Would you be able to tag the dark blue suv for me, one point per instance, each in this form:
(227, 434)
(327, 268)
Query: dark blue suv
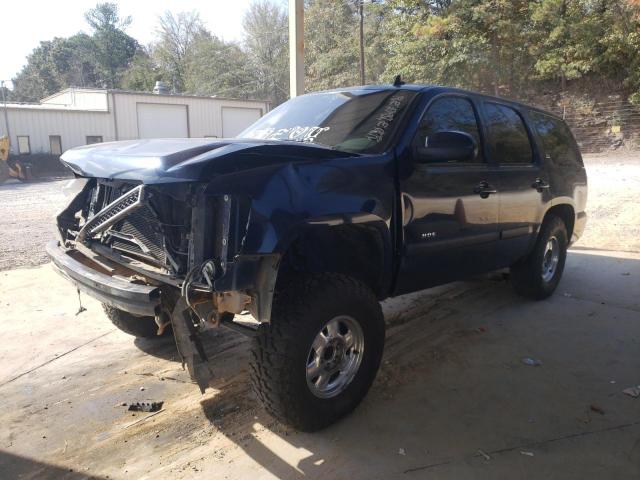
(294, 231)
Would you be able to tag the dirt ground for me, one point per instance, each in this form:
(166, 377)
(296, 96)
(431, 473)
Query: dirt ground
(27, 212)
(453, 398)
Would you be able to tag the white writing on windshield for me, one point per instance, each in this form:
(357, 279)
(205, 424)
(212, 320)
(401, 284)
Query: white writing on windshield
(295, 134)
(385, 118)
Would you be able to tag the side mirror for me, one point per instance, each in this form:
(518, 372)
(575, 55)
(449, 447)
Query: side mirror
(447, 146)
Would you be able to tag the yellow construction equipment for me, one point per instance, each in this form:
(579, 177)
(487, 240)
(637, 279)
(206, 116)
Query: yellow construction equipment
(4, 148)
(9, 168)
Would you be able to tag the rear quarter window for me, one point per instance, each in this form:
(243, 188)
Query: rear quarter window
(510, 142)
(557, 143)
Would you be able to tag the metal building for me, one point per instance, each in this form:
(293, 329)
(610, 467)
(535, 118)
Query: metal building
(79, 116)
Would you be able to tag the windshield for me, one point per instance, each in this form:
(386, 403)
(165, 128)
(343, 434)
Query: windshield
(361, 121)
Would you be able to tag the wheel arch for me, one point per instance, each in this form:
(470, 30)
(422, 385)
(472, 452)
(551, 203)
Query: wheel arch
(566, 212)
(358, 246)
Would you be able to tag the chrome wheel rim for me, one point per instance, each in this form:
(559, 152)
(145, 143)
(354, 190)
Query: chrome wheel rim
(335, 356)
(550, 259)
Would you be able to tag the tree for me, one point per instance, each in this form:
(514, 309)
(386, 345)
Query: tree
(142, 73)
(267, 44)
(177, 34)
(113, 48)
(54, 65)
(81, 60)
(562, 48)
(331, 44)
(214, 67)
(468, 43)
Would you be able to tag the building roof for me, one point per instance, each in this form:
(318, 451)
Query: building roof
(49, 106)
(134, 92)
(67, 99)
(187, 95)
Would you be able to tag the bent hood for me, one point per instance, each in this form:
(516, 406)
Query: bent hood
(165, 160)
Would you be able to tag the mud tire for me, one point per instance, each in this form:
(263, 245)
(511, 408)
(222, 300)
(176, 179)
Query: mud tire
(303, 304)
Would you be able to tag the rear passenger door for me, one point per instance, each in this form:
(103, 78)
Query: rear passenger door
(450, 207)
(522, 183)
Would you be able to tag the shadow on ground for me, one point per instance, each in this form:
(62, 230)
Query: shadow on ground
(17, 467)
(452, 385)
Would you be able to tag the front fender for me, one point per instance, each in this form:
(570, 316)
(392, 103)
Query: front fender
(288, 201)
(296, 196)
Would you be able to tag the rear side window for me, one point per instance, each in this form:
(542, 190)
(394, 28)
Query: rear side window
(557, 142)
(450, 113)
(509, 139)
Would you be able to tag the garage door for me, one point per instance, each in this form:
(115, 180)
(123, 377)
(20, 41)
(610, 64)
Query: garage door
(157, 120)
(236, 119)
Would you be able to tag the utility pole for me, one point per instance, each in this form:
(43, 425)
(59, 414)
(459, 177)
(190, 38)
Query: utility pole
(296, 47)
(6, 115)
(361, 13)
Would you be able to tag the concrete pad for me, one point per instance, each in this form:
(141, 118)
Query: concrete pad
(452, 390)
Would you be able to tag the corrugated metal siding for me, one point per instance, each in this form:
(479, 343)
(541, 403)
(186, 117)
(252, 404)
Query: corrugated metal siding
(236, 119)
(205, 114)
(72, 126)
(80, 98)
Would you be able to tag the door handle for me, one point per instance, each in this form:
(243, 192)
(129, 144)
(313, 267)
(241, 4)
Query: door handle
(540, 185)
(484, 189)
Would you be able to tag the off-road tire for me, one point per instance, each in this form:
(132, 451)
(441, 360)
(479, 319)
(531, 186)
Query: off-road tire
(303, 303)
(143, 327)
(526, 275)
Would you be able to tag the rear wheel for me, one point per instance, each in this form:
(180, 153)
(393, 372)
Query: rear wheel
(538, 275)
(143, 327)
(317, 359)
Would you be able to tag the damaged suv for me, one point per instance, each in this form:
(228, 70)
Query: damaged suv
(293, 232)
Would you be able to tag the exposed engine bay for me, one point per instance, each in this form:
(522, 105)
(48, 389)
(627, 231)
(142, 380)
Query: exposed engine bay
(183, 244)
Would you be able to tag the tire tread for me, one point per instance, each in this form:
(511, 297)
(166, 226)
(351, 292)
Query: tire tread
(270, 360)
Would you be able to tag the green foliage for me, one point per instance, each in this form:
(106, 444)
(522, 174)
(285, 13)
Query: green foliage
(113, 49)
(513, 47)
(331, 48)
(54, 65)
(97, 60)
(142, 73)
(216, 67)
(509, 47)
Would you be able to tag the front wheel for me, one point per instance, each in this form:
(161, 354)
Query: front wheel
(538, 275)
(141, 327)
(318, 357)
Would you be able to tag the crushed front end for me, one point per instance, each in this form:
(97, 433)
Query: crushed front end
(170, 251)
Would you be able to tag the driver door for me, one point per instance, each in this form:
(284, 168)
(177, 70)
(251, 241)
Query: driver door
(450, 207)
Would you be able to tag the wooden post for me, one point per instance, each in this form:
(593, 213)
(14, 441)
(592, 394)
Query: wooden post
(361, 36)
(296, 47)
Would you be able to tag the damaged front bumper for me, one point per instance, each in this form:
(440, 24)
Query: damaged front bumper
(111, 290)
(170, 252)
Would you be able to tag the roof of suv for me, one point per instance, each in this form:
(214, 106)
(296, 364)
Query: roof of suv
(413, 87)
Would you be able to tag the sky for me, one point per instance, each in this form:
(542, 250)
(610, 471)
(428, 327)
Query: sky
(25, 23)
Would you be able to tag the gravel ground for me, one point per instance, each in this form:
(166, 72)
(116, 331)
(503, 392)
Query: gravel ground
(613, 221)
(27, 211)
